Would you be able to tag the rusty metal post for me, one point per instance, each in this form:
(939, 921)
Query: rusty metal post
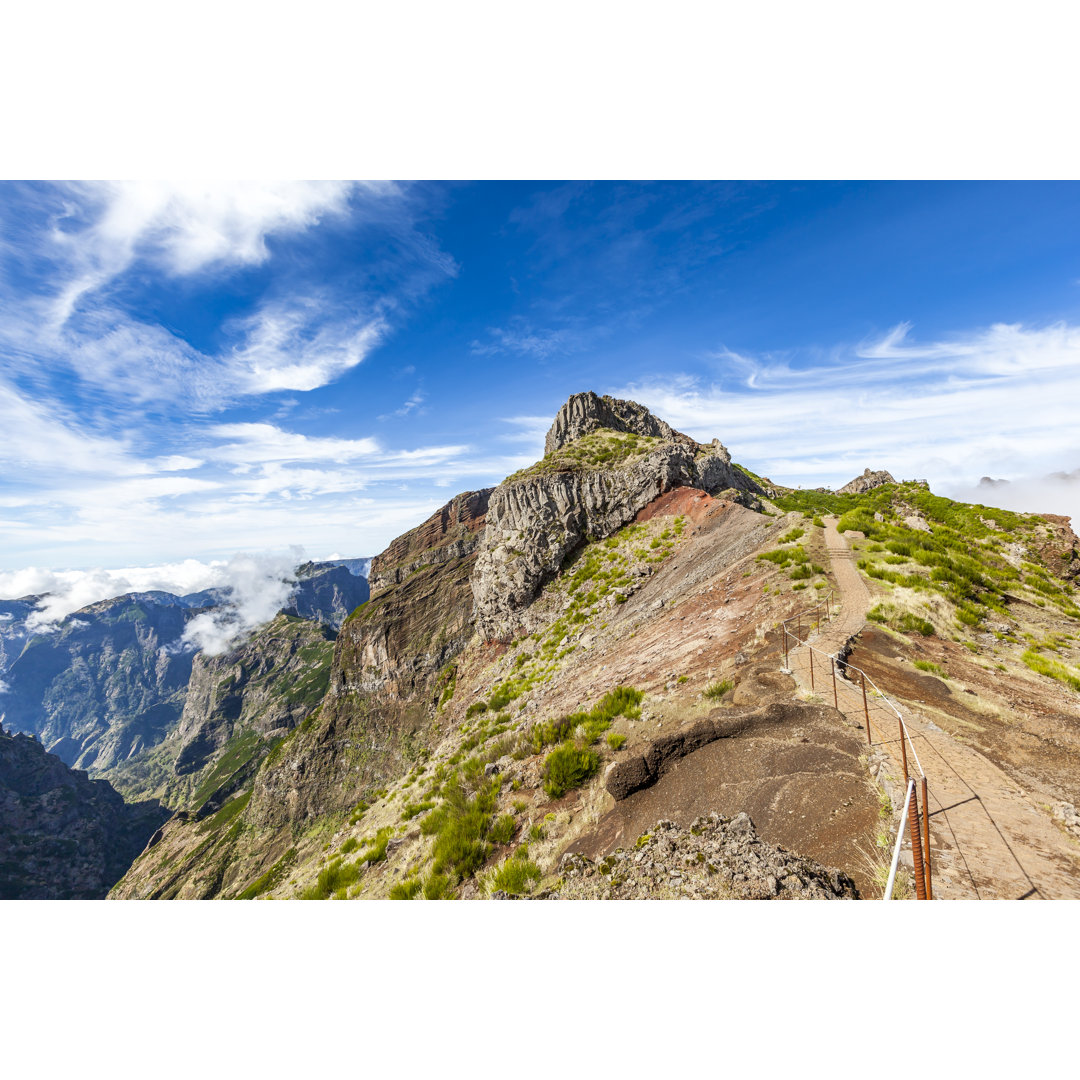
(903, 747)
(916, 846)
(926, 829)
(866, 709)
(832, 664)
(811, 652)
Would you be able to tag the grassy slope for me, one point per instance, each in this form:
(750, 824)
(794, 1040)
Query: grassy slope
(980, 576)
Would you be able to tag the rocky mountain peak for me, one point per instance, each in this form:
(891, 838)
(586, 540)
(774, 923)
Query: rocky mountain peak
(587, 412)
(869, 480)
(538, 516)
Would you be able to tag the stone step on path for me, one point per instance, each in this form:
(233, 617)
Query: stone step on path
(987, 839)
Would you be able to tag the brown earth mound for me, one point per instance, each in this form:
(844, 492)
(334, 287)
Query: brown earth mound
(794, 768)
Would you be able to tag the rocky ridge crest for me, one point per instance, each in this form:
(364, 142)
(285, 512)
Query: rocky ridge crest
(534, 521)
(866, 482)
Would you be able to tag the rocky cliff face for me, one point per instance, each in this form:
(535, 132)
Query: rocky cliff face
(62, 835)
(385, 670)
(373, 722)
(867, 482)
(13, 632)
(452, 532)
(538, 517)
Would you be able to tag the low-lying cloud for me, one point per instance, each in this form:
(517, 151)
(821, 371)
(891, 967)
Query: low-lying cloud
(259, 587)
(256, 587)
(1056, 493)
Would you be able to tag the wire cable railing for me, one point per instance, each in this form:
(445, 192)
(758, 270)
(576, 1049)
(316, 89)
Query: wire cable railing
(841, 672)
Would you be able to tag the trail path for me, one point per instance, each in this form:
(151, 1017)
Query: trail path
(987, 839)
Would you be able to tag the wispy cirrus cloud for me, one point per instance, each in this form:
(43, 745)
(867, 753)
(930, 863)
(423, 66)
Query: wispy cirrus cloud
(997, 400)
(520, 337)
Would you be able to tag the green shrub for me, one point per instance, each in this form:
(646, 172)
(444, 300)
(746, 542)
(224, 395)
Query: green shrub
(460, 826)
(616, 741)
(1044, 665)
(715, 691)
(407, 889)
(475, 708)
(436, 887)
(792, 536)
(376, 851)
(349, 846)
(568, 767)
(537, 832)
(411, 810)
(332, 880)
(517, 876)
(819, 523)
(503, 829)
(929, 665)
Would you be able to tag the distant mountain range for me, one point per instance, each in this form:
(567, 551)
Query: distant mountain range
(111, 679)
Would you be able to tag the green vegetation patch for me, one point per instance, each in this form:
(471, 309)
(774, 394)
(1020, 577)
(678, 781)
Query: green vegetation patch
(461, 826)
(1045, 665)
(518, 875)
(333, 880)
(715, 691)
(622, 701)
(905, 621)
(271, 879)
(568, 767)
(601, 449)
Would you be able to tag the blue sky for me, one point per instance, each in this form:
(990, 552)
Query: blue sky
(189, 371)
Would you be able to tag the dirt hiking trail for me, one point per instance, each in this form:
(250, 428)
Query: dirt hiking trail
(988, 840)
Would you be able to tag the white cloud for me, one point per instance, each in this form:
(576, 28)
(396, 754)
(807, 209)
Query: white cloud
(415, 401)
(293, 347)
(521, 338)
(260, 585)
(38, 436)
(1000, 400)
(252, 443)
(66, 591)
(184, 226)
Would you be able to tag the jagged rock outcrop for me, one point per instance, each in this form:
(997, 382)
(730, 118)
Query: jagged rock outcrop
(536, 519)
(867, 482)
(1058, 546)
(62, 835)
(717, 858)
(584, 413)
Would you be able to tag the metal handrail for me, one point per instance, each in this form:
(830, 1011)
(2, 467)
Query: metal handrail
(922, 856)
(899, 842)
